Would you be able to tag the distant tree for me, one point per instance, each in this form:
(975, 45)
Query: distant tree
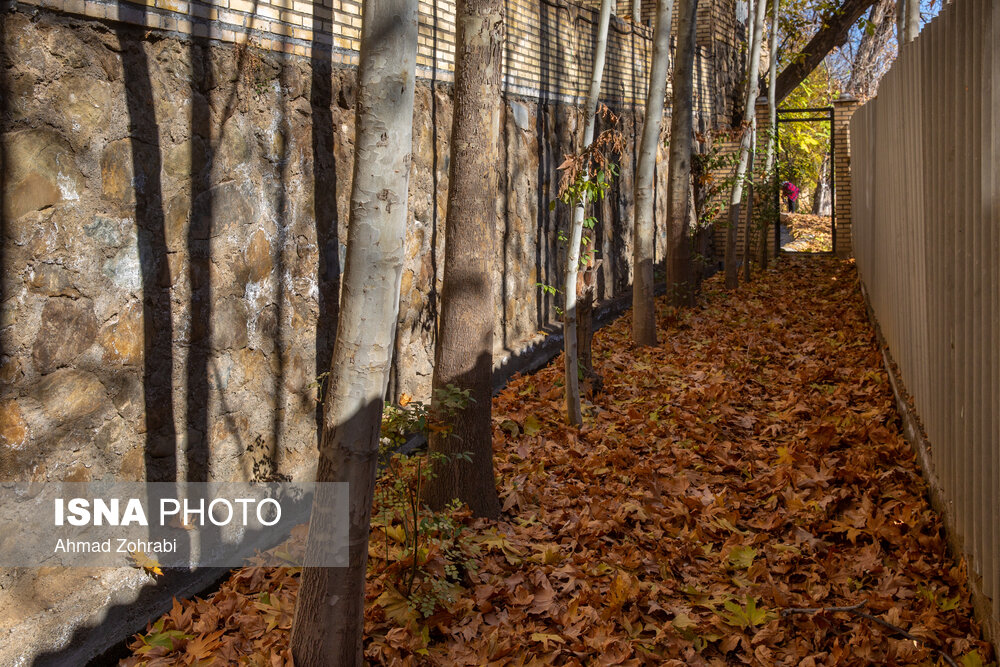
(749, 116)
(806, 146)
(900, 21)
(329, 612)
(874, 53)
(679, 276)
(911, 25)
(643, 307)
(463, 357)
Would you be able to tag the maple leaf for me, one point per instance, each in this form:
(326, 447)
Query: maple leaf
(972, 659)
(742, 557)
(397, 607)
(532, 425)
(747, 615)
(156, 637)
(683, 621)
(202, 648)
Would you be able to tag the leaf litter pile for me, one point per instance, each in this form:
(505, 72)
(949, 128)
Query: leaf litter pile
(810, 233)
(740, 494)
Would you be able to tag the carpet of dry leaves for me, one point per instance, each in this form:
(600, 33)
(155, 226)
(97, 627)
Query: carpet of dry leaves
(749, 464)
(811, 233)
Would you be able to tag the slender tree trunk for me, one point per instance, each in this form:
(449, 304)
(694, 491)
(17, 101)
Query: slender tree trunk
(643, 306)
(464, 353)
(680, 281)
(912, 26)
(749, 113)
(329, 613)
(572, 368)
(900, 23)
(637, 11)
(772, 135)
(821, 196)
(748, 226)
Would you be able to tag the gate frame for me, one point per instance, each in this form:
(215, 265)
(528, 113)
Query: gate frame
(827, 116)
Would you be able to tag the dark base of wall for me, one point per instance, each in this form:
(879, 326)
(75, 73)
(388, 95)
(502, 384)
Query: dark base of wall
(99, 645)
(913, 431)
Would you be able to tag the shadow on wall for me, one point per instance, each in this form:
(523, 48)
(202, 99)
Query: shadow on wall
(176, 265)
(324, 203)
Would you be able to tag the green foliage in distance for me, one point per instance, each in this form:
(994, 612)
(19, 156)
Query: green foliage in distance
(804, 146)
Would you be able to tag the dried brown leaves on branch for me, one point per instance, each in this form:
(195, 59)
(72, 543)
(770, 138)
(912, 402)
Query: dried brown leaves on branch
(598, 155)
(752, 463)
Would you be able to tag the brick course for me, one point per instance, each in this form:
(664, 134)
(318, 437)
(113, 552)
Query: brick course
(549, 42)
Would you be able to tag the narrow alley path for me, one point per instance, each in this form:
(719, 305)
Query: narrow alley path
(750, 464)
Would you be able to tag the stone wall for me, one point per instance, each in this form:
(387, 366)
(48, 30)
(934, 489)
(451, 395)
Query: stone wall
(174, 216)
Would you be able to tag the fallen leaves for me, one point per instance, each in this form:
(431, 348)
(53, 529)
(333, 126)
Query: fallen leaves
(752, 462)
(810, 233)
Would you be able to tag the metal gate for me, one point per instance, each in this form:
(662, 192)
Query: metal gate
(805, 115)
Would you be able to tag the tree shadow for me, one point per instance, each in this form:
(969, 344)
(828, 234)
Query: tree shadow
(324, 204)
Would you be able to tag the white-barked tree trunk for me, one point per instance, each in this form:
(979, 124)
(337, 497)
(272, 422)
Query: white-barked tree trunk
(329, 613)
(644, 232)
(572, 355)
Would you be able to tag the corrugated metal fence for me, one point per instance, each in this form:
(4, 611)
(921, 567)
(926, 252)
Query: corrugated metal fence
(925, 161)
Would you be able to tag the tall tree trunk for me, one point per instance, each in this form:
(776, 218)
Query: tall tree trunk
(772, 134)
(464, 353)
(749, 113)
(680, 281)
(643, 306)
(637, 11)
(572, 368)
(748, 226)
(912, 26)
(821, 196)
(329, 613)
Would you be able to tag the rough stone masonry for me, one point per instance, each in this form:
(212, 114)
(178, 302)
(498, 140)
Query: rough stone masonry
(174, 220)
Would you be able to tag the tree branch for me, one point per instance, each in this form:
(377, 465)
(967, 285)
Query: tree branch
(821, 610)
(834, 32)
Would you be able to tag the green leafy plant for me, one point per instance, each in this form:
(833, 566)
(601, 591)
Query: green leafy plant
(426, 553)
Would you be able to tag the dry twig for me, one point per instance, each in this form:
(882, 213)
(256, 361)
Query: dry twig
(856, 611)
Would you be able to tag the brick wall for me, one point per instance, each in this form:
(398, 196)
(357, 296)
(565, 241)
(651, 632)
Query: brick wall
(843, 110)
(549, 47)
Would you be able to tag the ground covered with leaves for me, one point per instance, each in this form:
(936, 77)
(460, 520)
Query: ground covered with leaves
(810, 233)
(750, 465)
